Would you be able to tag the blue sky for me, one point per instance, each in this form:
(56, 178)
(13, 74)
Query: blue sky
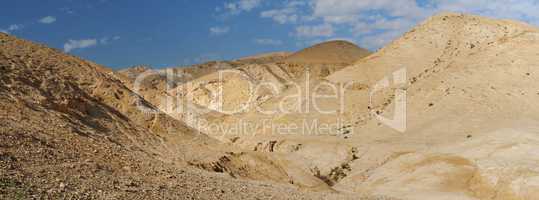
(122, 33)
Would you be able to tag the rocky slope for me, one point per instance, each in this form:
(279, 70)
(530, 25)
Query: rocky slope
(272, 57)
(236, 86)
(471, 89)
(71, 129)
(243, 87)
(471, 121)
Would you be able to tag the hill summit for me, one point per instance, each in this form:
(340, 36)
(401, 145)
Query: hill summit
(331, 52)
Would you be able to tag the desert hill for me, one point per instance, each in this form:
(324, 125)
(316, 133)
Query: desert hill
(272, 57)
(71, 129)
(471, 84)
(331, 52)
(471, 114)
(157, 79)
(471, 88)
(237, 80)
(66, 116)
(195, 103)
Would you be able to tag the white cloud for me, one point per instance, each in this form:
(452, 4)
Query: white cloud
(11, 28)
(266, 41)
(79, 44)
(47, 20)
(282, 16)
(107, 40)
(323, 30)
(241, 6)
(104, 40)
(15, 27)
(375, 23)
(67, 10)
(349, 9)
(291, 13)
(219, 30)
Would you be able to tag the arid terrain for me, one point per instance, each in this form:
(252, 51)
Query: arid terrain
(284, 125)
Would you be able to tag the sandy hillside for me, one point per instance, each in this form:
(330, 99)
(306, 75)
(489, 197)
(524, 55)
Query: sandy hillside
(331, 52)
(471, 88)
(70, 129)
(271, 57)
(471, 118)
(471, 93)
(154, 83)
(243, 83)
(243, 87)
